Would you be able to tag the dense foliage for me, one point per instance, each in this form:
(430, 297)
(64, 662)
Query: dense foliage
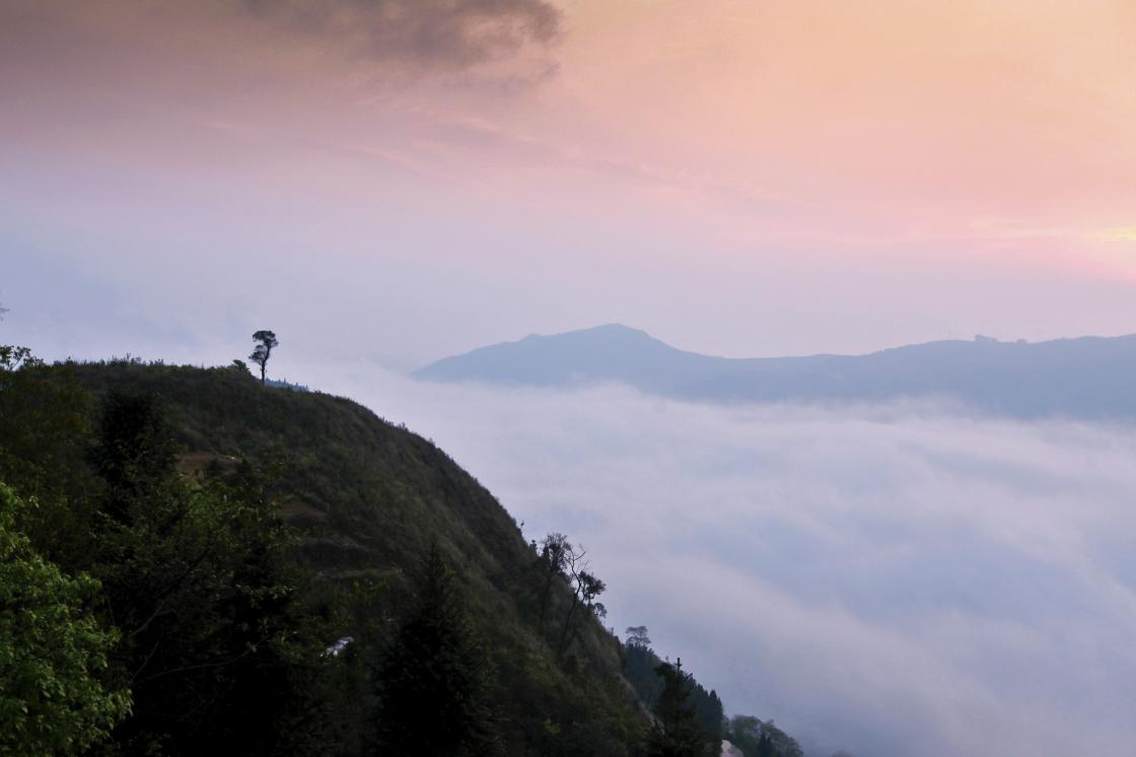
(52, 652)
(239, 531)
(761, 739)
(434, 683)
(688, 717)
(678, 731)
(196, 575)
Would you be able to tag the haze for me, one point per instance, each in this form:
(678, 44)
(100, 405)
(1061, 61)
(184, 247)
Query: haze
(736, 178)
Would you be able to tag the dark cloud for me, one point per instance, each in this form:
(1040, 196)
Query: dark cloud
(433, 33)
(507, 38)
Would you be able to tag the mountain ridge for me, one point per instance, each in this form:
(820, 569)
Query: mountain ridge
(1079, 377)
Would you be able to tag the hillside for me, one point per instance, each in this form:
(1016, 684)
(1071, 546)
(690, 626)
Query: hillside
(1088, 377)
(369, 495)
(370, 500)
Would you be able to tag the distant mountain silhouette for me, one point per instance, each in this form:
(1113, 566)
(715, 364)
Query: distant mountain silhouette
(1087, 377)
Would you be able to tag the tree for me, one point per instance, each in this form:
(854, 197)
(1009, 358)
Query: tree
(434, 685)
(760, 739)
(266, 340)
(676, 732)
(52, 652)
(555, 550)
(135, 454)
(639, 664)
(201, 579)
(585, 588)
(590, 588)
(708, 711)
(44, 441)
(637, 636)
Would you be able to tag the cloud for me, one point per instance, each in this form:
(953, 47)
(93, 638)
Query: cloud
(890, 580)
(432, 33)
(373, 38)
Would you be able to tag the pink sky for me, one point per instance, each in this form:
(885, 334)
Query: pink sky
(736, 177)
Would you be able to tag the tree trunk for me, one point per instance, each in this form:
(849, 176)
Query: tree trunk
(560, 647)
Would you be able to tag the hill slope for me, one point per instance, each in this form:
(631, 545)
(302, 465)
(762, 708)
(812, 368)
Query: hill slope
(1089, 377)
(369, 499)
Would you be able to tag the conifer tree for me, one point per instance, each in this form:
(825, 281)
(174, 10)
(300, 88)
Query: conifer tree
(677, 732)
(434, 685)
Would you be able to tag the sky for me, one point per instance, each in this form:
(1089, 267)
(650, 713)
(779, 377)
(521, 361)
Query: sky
(408, 179)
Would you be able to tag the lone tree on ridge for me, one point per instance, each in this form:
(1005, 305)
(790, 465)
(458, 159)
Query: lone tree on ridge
(266, 340)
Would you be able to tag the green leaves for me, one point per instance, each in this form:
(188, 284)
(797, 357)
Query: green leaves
(52, 652)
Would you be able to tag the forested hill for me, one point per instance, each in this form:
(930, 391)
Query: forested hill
(369, 495)
(409, 625)
(1085, 377)
(274, 571)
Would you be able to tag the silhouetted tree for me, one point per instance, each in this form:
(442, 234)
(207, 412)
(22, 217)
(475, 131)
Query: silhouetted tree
(434, 685)
(554, 552)
(639, 664)
(585, 588)
(761, 739)
(708, 710)
(637, 636)
(676, 732)
(590, 588)
(266, 340)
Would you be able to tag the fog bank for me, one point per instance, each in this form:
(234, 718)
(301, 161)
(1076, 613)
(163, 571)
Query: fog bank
(892, 580)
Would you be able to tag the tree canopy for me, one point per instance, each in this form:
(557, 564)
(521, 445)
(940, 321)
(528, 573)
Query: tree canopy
(265, 342)
(677, 731)
(756, 738)
(53, 651)
(435, 685)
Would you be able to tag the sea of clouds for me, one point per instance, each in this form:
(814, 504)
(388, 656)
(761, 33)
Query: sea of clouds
(900, 580)
(906, 580)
